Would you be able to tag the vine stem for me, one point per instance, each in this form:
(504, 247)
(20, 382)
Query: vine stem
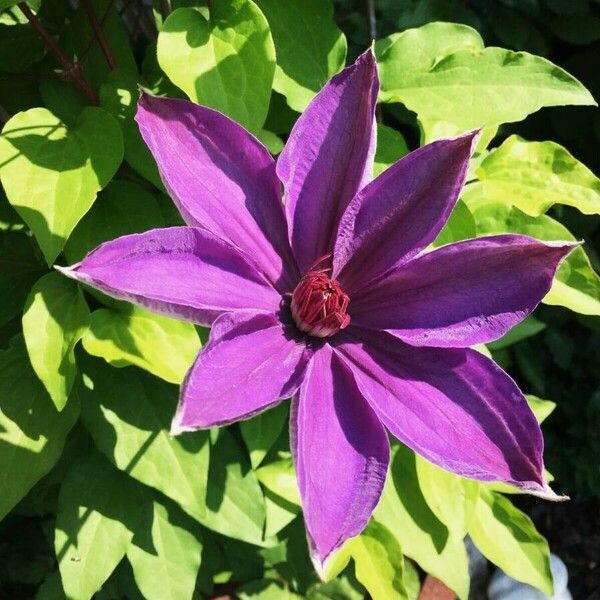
(371, 19)
(70, 69)
(99, 33)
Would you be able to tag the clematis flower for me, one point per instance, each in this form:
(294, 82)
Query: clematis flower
(318, 284)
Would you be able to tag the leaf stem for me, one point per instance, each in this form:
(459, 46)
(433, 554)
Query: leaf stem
(99, 33)
(71, 70)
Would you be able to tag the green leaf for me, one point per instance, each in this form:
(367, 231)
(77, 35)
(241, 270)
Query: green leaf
(424, 538)
(227, 62)
(20, 45)
(460, 226)
(576, 285)
(278, 513)
(234, 500)
(391, 147)
(309, 46)
(79, 32)
(265, 589)
(128, 414)
(533, 176)
(525, 329)
(98, 511)
(379, 562)
(450, 497)
(32, 431)
(280, 478)
(122, 208)
(542, 409)
(55, 318)
(508, 538)
(118, 95)
(166, 559)
(52, 173)
(260, 432)
(442, 72)
(20, 268)
(133, 336)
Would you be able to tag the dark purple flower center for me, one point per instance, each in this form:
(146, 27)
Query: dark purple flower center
(319, 303)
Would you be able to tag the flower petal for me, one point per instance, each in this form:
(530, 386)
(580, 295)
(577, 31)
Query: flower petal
(463, 294)
(221, 178)
(329, 157)
(453, 406)
(251, 362)
(341, 453)
(401, 212)
(181, 272)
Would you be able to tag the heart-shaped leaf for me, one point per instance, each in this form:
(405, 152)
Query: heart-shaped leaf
(52, 173)
(226, 62)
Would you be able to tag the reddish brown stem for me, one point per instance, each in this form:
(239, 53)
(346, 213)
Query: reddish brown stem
(99, 33)
(72, 71)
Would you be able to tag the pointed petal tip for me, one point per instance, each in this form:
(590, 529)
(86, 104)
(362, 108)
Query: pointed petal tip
(545, 492)
(69, 271)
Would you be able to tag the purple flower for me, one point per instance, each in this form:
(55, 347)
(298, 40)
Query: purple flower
(325, 292)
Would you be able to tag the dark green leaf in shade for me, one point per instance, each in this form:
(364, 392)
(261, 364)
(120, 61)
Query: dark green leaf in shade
(128, 414)
(20, 268)
(391, 147)
(123, 207)
(32, 431)
(309, 46)
(99, 509)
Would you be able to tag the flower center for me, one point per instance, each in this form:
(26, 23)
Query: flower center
(319, 303)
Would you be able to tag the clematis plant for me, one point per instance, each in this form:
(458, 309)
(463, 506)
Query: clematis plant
(319, 285)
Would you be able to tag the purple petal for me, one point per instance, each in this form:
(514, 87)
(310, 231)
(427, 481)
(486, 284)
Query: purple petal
(341, 452)
(401, 212)
(467, 293)
(328, 158)
(250, 363)
(181, 272)
(221, 178)
(453, 406)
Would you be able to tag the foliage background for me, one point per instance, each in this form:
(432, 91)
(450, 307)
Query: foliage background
(174, 518)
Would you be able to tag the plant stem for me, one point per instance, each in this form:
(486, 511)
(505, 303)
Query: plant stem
(99, 33)
(70, 69)
(371, 19)
(165, 8)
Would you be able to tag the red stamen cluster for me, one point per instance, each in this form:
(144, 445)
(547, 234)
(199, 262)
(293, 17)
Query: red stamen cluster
(319, 304)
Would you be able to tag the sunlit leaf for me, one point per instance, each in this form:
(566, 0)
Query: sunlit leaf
(576, 285)
(535, 175)
(52, 173)
(442, 72)
(55, 318)
(424, 538)
(391, 147)
(508, 538)
(166, 558)
(227, 62)
(129, 335)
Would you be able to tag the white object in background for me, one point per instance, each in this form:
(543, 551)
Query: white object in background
(503, 587)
